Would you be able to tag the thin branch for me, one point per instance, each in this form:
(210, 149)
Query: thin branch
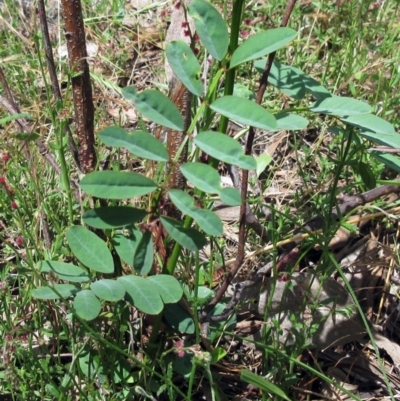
(245, 176)
(53, 74)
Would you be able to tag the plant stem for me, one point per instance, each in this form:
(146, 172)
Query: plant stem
(237, 15)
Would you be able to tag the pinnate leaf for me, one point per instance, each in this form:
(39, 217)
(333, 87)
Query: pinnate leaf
(340, 106)
(116, 184)
(90, 249)
(189, 238)
(207, 179)
(144, 254)
(109, 290)
(140, 293)
(231, 196)
(167, 286)
(208, 221)
(291, 121)
(179, 318)
(155, 106)
(51, 292)
(244, 111)
(390, 160)
(262, 162)
(385, 140)
(139, 143)
(64, 271)
(126, 245)
(185, 65)
(373, 124)
(286, 78)
(203, 176)
(211, 28)
(113, 217)
(87, 305)
(261, 44)
(224, 148)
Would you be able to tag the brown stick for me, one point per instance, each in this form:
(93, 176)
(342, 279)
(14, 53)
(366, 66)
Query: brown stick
(81, 85)
(182, 99)
(53, 75)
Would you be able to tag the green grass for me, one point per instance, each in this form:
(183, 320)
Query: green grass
(47, 352)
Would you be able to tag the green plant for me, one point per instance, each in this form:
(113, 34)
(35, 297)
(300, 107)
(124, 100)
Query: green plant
(146, 238)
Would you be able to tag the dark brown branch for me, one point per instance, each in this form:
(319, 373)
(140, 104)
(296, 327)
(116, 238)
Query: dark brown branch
(53, 74)
(81, 85)
(271, 57)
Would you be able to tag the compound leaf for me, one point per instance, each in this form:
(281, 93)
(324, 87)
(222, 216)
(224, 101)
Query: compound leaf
(113, 217)
(261, 44)
(187, 237)
(109, 290)
(211, 28)
(90, 249)
(244, 111)
(87, 305)
(140, 293)
(185, 65)
(116, 184)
